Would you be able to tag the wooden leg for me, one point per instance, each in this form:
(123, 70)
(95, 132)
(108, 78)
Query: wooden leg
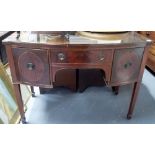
(133, 99)
(19, 102)
(32, 91)
(115, 89)
(137, 85)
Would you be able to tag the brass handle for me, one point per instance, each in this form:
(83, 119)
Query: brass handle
(30, 66)
(102, 58)
(61, 56)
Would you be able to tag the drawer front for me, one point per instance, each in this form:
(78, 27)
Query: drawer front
(126, 65)
(31, 65)
(96, 56)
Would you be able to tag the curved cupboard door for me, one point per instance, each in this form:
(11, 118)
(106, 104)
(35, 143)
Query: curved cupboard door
(126, 65)
(32, 65)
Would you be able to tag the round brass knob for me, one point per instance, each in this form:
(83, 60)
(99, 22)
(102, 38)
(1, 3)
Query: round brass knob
(102, 58)
(61, 56)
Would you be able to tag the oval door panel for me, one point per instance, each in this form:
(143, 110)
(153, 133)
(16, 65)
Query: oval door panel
(31, 66)
(126, 64)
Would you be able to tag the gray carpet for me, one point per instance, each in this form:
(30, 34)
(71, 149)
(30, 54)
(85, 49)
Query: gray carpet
(96, 105)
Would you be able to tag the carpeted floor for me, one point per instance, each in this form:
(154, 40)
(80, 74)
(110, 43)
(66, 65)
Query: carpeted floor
(96, 105)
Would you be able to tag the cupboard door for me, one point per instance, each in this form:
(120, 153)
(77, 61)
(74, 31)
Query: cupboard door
(126, 65)
(32, 65)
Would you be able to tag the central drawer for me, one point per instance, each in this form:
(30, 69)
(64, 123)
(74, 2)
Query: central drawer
(94, 56)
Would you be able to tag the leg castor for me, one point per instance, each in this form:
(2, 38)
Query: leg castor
(32, 91)
(116, 93)
(33, 95)
(23, 120)
(115, 90)
(129, 116)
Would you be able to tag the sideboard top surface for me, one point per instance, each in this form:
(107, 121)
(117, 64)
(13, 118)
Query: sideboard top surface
(45, 39)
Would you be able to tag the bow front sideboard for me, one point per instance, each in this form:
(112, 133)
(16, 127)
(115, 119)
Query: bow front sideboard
(35, 59)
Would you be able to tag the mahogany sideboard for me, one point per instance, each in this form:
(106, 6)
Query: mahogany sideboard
(36, 59)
